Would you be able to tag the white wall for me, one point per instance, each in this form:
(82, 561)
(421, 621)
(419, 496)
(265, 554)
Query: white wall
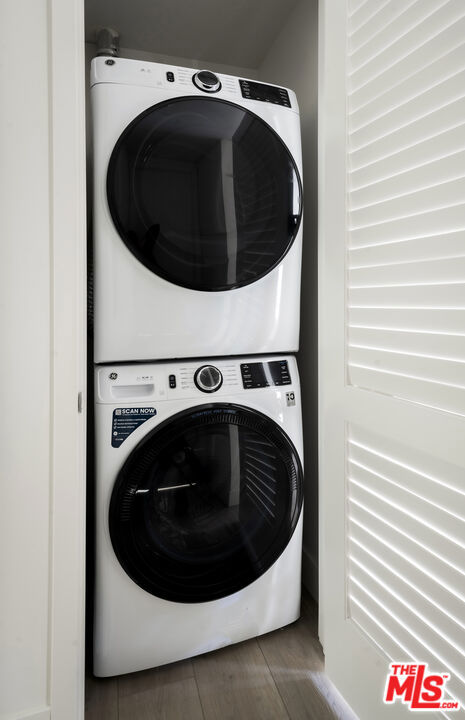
(25, 359)
(293, 61)
(41, 301)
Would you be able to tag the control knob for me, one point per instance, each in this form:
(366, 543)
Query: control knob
(206, 81)
(208, 378)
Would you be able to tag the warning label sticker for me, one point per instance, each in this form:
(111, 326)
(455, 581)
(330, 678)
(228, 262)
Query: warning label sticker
(126, 420)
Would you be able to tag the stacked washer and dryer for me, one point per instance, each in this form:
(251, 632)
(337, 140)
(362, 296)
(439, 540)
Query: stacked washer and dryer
(197, 260)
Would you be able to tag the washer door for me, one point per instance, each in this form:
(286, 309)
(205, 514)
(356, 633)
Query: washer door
(204, 193)
(206, 503)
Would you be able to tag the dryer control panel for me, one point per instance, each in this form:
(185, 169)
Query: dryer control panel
(180, 81)
(265, 93)
(265, 374)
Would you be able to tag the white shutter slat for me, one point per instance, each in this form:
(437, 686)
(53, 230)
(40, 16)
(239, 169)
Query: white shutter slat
(400, 499)
(433, 369)
(416, 343)
(413, 387)
(419, 24)
(362, 12)
(423, 620)
(406, 550)
(411, 525)
(376, 23)
(429, 175)
(425, 80)
(397, 563)
(418, 647)
(392, 645)
(451, 269)
(451, 295)
(424, 320)
(411, 145)
(442, 522)
(401, 455)
(410, 556)
(426, 55)
(354, 6)
(436, 247)
(449, 373)
(436, 98)
(435, 490)
(423, 224)
(410, 203)
(406, 623)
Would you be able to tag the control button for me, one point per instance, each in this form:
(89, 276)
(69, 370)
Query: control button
(172, 381)
(208, 378)
(170, 76)
(207, 81)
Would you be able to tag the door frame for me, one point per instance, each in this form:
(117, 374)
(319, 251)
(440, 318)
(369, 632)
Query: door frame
(68, 357)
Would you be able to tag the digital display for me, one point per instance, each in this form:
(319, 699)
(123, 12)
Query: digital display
(258, 375)
(264, 93)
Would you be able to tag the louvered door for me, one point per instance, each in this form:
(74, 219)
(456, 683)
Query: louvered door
(392, 343)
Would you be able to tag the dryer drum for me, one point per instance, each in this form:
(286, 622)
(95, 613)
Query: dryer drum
(206, 503)
(204, 193)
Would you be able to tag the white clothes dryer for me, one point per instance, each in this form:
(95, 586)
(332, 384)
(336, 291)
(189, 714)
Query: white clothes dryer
(198, 507)
(197, 213)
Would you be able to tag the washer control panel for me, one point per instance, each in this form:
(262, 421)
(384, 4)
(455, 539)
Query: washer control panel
(265, 93)
(265, 374)
(208, 378)
(142, 385)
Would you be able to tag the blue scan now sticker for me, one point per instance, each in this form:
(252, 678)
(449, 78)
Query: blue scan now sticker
(126, 420)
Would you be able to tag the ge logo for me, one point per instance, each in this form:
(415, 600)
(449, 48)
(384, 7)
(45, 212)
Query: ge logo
(113, 376)
(290, 399)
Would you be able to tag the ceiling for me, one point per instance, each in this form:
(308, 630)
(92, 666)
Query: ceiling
(232, 32)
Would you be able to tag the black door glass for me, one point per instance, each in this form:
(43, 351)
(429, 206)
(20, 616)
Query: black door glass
(204, 193)
(206, 503)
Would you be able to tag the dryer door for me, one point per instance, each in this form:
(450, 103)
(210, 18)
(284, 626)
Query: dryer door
(206, 503)
(204, 193)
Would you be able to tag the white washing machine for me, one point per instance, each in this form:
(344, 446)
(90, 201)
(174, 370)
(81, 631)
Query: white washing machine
(198, 507)
(197, 213)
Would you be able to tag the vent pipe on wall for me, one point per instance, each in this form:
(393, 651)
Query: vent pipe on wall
(107, 42)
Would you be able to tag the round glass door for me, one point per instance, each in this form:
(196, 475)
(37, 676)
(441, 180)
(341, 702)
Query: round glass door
(206, 503)
(204, 193)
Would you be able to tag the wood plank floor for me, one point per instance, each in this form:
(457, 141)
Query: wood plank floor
(279, 676)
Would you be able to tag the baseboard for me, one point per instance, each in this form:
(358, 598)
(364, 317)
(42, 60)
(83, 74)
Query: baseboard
(310, 573)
